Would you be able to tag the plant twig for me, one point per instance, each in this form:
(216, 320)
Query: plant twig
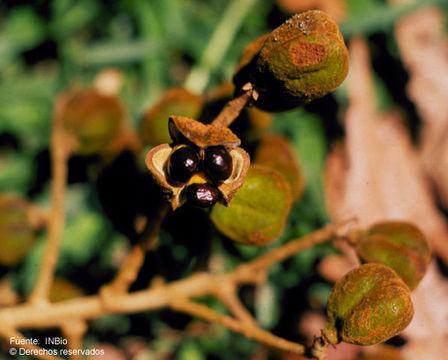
(74, 332)
(18, 341)
(228, 295)
(165, 295)
(247, 271)
(220, 41)
(129, 270)
(248, 330)
(233, 108)
(60, 151)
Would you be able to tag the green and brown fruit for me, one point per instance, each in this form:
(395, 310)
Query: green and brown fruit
(176, 101)
(368, 306)
(399, 245)
(303, 59)
(257, 215)
(276, 152)
(16, 233)
(92, 118)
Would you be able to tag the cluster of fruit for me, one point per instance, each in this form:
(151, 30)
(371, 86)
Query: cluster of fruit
(372, 303)
(202, 170)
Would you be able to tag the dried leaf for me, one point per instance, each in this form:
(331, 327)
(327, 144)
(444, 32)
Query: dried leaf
(334, 267)
(427, 335)
(375, 175)
(381, 352)
(423, 45)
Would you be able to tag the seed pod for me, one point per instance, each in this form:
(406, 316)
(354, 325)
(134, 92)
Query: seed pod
(276, 152)
(16, 233)
(94, 119)
(398, 245)
(202, 195)
(184, 131)
(176, 101)
(303, 59)
(218, 163)
(257, 215)
(367, 306)
(183, 163)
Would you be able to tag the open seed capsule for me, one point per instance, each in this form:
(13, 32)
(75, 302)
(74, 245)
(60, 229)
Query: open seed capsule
(183, 164)
(202, 195)
(217, 163)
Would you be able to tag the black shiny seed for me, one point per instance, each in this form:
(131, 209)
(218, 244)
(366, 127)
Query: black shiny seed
(183, 164)
(202, 195)
(218, 163)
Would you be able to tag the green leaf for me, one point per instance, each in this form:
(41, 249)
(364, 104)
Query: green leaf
(191, 351)
(22, 31)
(16, 172)
(257, 215)
(369, 16)
(83, 237)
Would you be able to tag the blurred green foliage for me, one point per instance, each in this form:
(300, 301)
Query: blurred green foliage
(49, 46)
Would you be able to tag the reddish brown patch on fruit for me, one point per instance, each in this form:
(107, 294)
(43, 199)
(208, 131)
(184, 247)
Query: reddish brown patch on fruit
(306, 54)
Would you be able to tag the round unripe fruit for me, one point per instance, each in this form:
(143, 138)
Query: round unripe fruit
(16, 233)
(399, 245)
(93, 118)
(202, 195)
(368, 306)
(183, 163)
(218, 163)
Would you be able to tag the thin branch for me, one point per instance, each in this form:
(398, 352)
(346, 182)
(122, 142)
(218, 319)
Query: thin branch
(18, 341)
(219, 42)
(228, 295)
(199, 284)
(233, 108)
(247, 271)
(60, 151)
(248, 330)
(148, 239)
(74, 332)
